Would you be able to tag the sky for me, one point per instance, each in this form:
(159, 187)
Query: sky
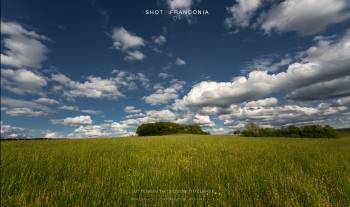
(100, 68)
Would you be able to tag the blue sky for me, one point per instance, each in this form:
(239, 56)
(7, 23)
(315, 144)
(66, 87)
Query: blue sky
(100, 68)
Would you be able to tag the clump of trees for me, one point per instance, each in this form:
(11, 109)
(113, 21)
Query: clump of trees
(164, 128)
(310, 131)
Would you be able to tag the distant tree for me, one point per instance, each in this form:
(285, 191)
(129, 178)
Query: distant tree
(236, 132)
(164, 128)
(251, 130)
(330, 131)
(194, 129)
(293, 131)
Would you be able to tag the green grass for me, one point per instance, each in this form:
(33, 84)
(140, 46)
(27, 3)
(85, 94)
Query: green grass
(344, 133)
(181, 170)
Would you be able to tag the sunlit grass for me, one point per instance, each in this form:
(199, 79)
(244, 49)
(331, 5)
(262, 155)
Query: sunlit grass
(182, 170)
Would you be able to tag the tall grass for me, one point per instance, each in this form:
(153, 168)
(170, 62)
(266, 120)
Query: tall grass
(182, 170)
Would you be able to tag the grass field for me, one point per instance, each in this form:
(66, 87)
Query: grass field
(181, 170)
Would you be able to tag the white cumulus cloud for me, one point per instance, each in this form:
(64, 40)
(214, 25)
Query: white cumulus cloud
(128, 43)
(305, 17)
(326, 61)
(134, 55)
(131, 109)
(8, 131)
(22, 48)
(24, 108)
(163, 95)
(23, 81)
(73, 121)
(98, 88)
(48, 101)
(180, 4)
(241, 13)
(180, 61)
(126, 40)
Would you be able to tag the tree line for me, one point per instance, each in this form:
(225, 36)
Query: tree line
(310, 131)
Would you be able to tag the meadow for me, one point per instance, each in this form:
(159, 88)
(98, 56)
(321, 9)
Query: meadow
(177, 170)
